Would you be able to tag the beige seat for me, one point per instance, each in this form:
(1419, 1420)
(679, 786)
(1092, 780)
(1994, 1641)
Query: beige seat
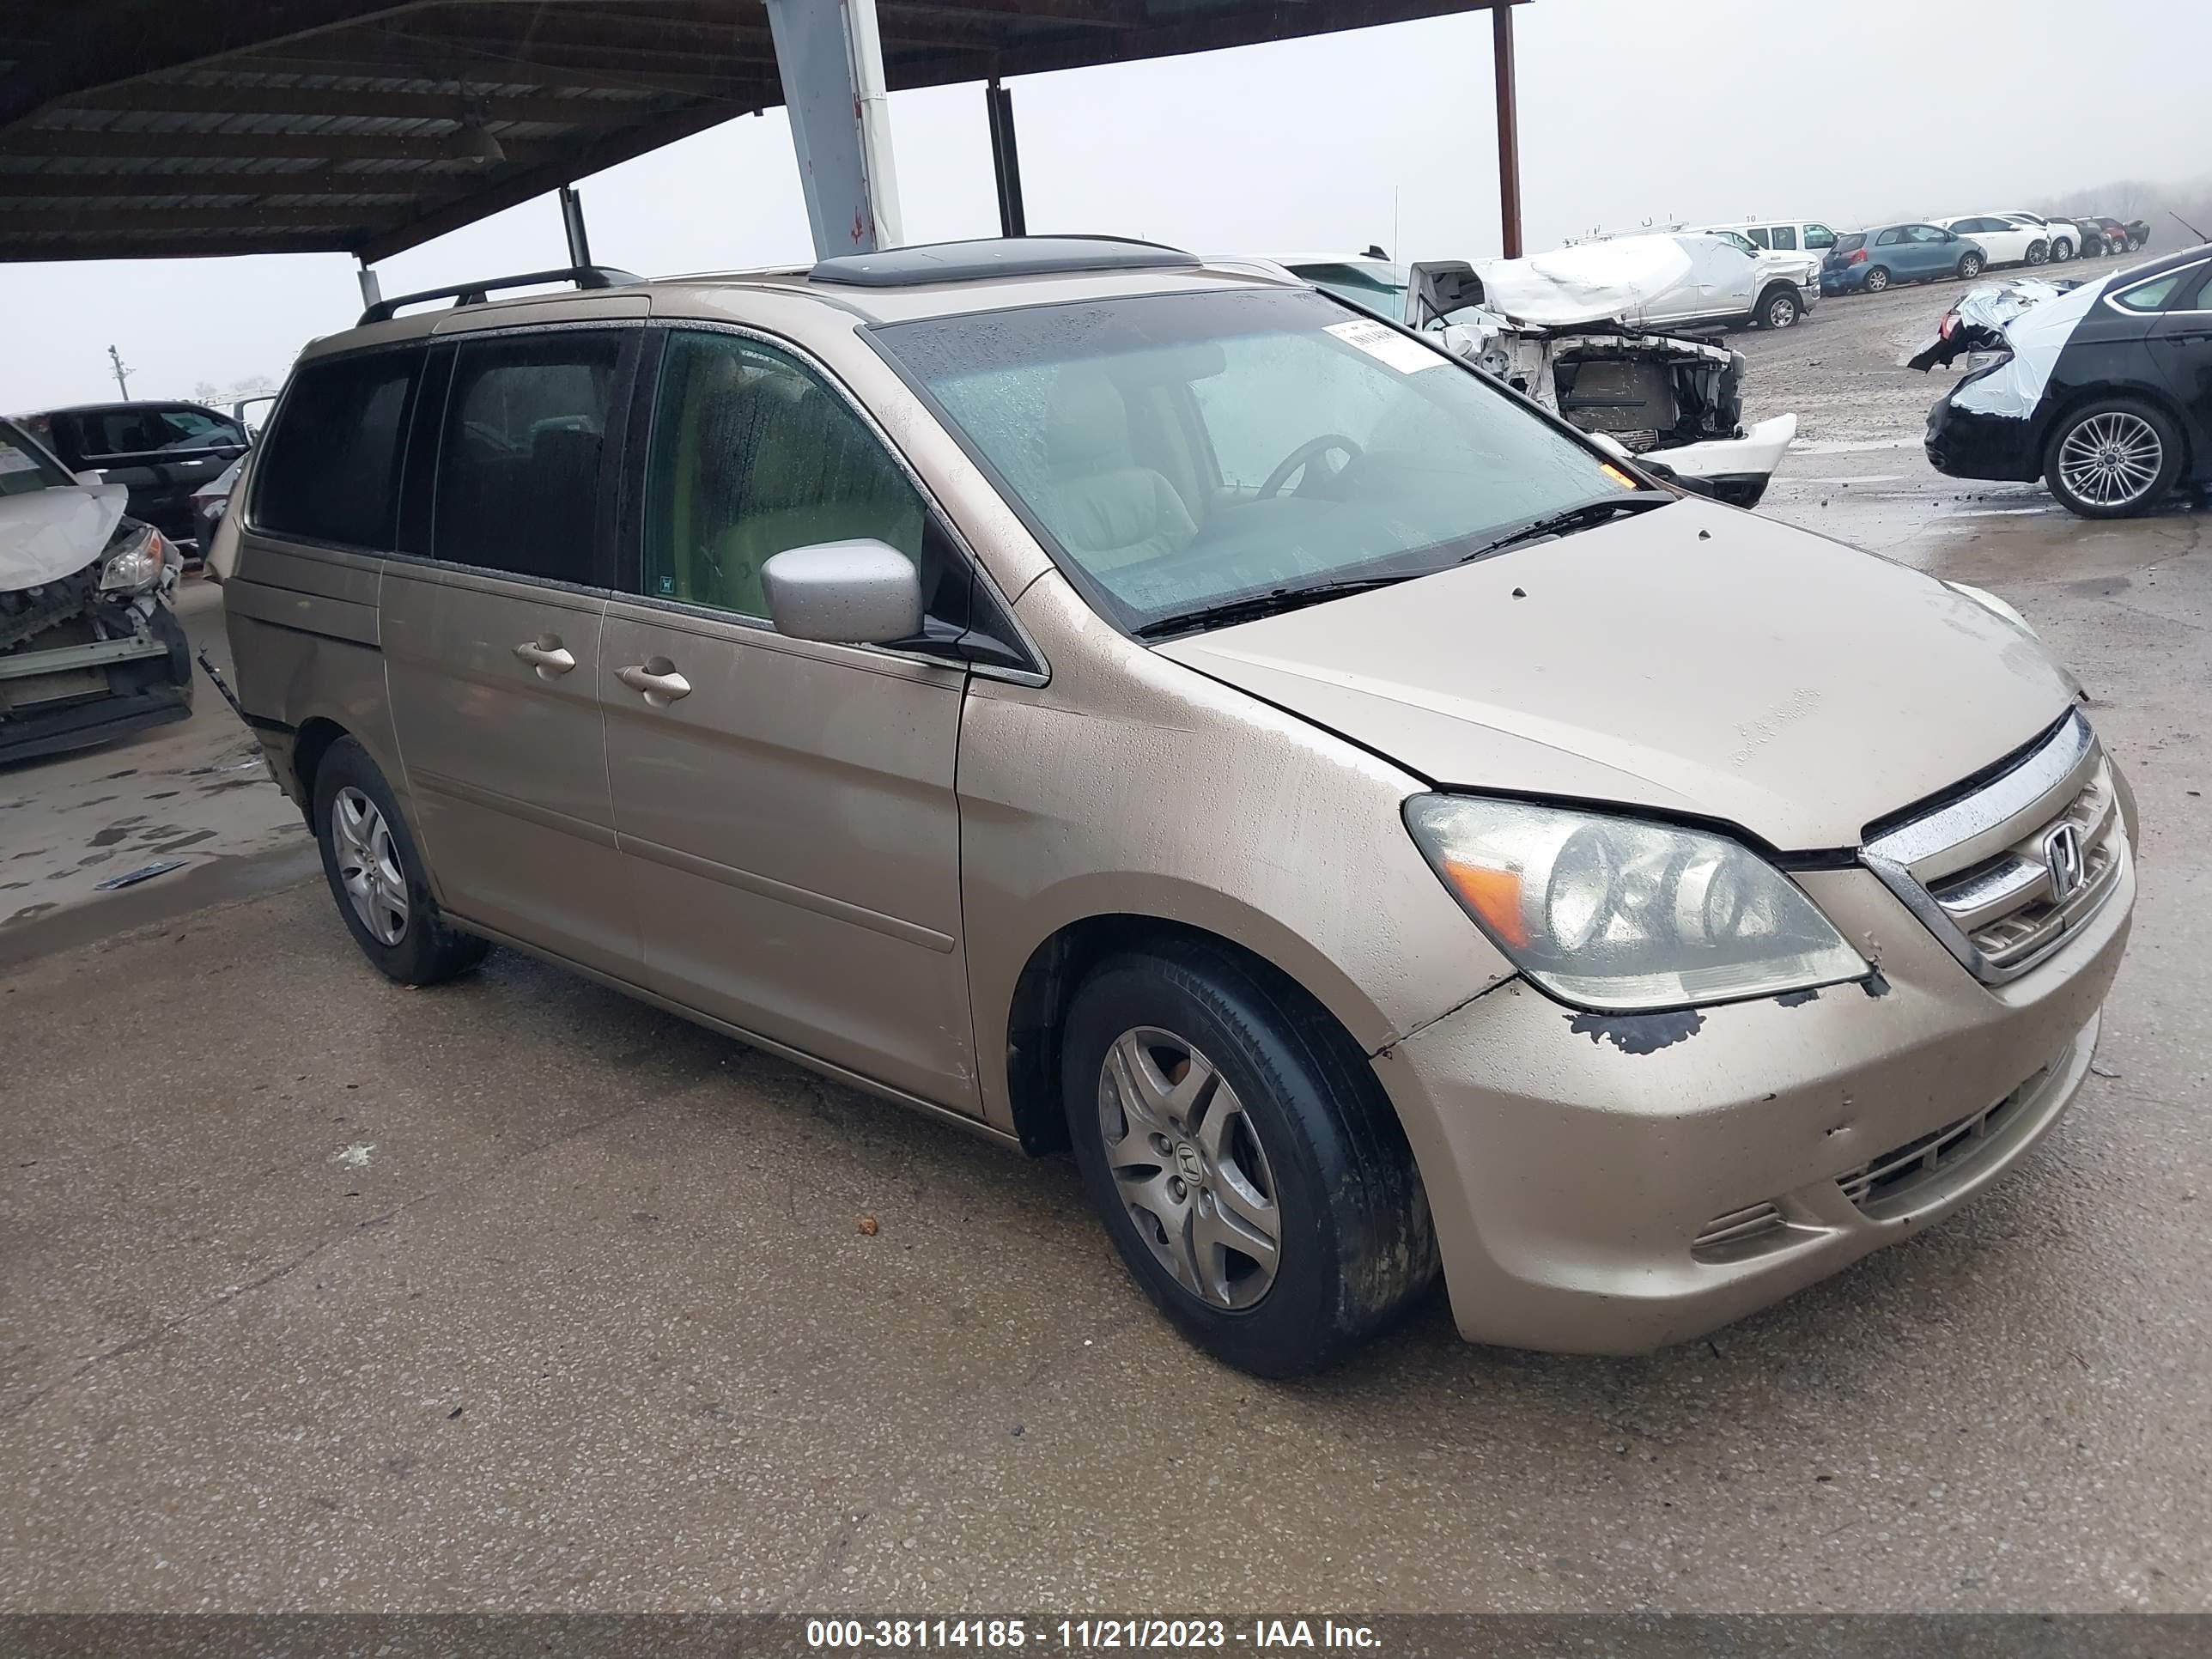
(1099, 502)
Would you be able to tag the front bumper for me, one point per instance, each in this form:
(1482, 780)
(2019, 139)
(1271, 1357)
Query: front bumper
(1572, 1163)
(147, 682)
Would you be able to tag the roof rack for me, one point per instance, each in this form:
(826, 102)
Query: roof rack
(997, 256)
(475, 294)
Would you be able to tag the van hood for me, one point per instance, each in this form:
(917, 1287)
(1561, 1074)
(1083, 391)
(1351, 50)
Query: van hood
(1693, 659)
(47, 534)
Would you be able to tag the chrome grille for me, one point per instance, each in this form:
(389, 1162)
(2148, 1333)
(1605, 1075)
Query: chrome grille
(1903, 1168)
(2004, 873)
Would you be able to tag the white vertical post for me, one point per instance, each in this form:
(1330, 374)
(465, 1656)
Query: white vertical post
(831, 60)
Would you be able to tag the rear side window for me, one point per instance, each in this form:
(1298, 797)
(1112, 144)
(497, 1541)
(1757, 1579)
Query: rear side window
(519, 461)
(2154, 295)
(1785, 239)
(1758, 235)
(330, 470)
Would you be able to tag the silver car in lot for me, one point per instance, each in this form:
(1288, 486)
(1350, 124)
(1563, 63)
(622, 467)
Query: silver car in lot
(1111, 701)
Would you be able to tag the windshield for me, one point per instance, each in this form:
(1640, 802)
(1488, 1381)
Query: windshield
(1178, 451)
(25, 467)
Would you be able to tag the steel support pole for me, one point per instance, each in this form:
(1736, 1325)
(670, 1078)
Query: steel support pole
(372, 291)
(572, 224)
(1006, 160)
(1508, 129)
(831, 61)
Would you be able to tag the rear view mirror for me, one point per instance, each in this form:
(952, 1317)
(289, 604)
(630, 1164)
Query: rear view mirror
(856, 592)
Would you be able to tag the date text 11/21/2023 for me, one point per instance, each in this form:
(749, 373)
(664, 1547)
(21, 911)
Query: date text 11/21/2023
(1258, 1637)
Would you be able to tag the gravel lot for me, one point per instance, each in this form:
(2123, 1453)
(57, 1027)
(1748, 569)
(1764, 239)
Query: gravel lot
(321, 1293)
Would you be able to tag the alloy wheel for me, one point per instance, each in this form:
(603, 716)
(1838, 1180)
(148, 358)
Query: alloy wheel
(1876, 281)
(2112, 459)
(368, 866)
(1780, 311)
(1189, 1165)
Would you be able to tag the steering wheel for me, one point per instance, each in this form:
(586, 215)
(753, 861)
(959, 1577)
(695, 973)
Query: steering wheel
(1311, 449)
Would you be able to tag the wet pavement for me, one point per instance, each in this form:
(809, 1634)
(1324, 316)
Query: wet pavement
(323, 1293)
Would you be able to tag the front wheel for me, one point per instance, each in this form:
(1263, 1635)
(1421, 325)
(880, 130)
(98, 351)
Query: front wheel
(1250, 1170)
(1969, 266)
(376, 874)
(1876, 280)
(1779, 309)
(2112, 459)
(2038, 253)
(2061, 251)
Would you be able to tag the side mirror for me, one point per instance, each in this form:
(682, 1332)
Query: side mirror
(856, 592)
(92, 478)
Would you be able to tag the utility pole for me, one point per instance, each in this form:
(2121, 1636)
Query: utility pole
(122, 373)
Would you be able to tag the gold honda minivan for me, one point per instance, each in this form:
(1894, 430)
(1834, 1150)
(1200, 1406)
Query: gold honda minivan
(1153, 709)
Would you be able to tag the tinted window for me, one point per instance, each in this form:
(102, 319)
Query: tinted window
(1889, 239)
(518, 460)
(331, 472)
(146, 430)
(1758, 236)
(753, 455)
(1785, 239)
(1819, 236)
(1926, 234)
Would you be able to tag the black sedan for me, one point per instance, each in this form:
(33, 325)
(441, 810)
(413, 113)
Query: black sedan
(2104, 391)
(160, 452)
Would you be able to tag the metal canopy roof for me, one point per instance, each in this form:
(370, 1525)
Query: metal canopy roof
(149, 129)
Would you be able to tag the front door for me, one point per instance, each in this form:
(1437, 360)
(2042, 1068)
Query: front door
(492, 647)
(2181, 345)
(785, 810)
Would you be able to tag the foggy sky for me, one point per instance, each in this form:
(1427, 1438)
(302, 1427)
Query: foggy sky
(1631, 109)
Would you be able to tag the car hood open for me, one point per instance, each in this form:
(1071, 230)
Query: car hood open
(47, 534)
(1692, 659)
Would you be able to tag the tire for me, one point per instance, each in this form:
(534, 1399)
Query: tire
(2061, 251)
(1779, 308)
(2038, 253)
(360, 830)
(2134, 243)
(1969, 266)
(2144, 450)
(1877, 279)
(1259, 1100)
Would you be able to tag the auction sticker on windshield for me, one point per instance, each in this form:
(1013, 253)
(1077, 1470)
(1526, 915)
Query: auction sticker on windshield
(1386, 345)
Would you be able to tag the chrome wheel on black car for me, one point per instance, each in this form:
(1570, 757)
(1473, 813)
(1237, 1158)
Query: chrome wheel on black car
(2112, 458)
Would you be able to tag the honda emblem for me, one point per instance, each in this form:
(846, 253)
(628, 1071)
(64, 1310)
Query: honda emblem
(2061, 852)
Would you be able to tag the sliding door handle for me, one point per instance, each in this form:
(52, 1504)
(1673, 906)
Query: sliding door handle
(547, 655)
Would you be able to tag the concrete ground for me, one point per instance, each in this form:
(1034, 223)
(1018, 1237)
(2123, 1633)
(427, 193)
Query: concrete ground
(321, 1293)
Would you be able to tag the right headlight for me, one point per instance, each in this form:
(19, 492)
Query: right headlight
(1622, 915)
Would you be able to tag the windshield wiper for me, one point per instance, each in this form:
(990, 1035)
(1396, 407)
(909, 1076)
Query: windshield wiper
(1572, 518)
(1272, 603)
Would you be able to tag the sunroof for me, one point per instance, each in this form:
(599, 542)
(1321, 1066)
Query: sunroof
(997, 256)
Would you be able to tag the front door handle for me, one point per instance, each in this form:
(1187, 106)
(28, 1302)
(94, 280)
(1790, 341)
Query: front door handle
(547, 655)
(661, 685)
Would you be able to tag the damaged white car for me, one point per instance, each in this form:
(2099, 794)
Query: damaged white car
(90, 649)
(1566, 329)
